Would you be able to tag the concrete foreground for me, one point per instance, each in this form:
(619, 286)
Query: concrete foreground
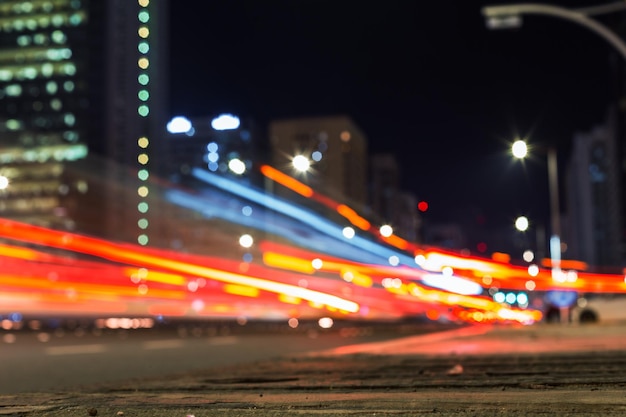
(542, 370)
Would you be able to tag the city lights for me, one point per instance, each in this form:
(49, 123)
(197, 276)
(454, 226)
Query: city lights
(237, 166)
(521, 223)
(246, 241)
(386, 230)
(179, 124)
(225, 122)
(519, 149)
(301, 163)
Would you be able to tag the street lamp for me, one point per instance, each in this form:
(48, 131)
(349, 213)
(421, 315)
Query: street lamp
(520, 151)
(507, 16)
(521, 223)
(504, 16)
(301, 163)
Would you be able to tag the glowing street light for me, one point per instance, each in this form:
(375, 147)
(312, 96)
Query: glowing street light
(4, 182)
(555, 218)
(521, 223)
(519, 149)
(301, 163)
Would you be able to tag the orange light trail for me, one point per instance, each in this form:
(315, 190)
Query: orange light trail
(124, 253)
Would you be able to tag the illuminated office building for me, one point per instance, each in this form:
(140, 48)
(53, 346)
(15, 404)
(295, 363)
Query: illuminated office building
(80, 79)
(337, 148)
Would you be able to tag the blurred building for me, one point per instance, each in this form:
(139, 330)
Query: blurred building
(79, 77)
(446, 235)
(395, 207)
(595, 197)
(221, 144)
(336, 147)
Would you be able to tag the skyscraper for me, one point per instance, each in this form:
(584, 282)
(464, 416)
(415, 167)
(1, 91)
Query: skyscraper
(80, 79)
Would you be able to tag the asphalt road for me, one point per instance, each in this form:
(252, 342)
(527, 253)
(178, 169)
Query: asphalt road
(467, 372)
(49, 361)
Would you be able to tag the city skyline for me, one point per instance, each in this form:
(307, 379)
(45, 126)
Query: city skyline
(447, 96)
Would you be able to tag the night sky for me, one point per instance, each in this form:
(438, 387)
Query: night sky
(426, 81)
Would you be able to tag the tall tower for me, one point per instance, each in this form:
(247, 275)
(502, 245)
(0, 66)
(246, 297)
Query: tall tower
(81, 79)
(337, 146)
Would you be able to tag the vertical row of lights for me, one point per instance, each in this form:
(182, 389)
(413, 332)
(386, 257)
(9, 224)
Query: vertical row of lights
(143, 110)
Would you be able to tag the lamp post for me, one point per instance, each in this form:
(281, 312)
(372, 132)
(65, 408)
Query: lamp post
(520, 151)
(506, 16)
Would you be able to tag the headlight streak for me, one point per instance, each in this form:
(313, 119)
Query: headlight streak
(305, 216)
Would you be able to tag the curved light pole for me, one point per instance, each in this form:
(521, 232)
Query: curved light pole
(510, 16)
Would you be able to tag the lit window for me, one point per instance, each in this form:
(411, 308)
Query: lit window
(58, 37)
(56, 104)
(69, 119)
(143, 47)
(47, 69)
(142, 223)
(143, 32)
(143, 158)
(143, 142)
(70, 69)
(5, 75)
(142, 191)
(143, 63)
(143, 79)
(76, 19)
(144, 3)
(143, 174)
(44, 21)
(13, 124)
(68, 86)
(143, 95)
(23, 40)
(142, 207)
(30, 73)
(345, 136)
(143, 110)
(40, 39)
(13, 90)
(70, 136)
(57, 20)
(52, 87)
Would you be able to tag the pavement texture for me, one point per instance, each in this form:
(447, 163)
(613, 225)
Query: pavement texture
(540, 370)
